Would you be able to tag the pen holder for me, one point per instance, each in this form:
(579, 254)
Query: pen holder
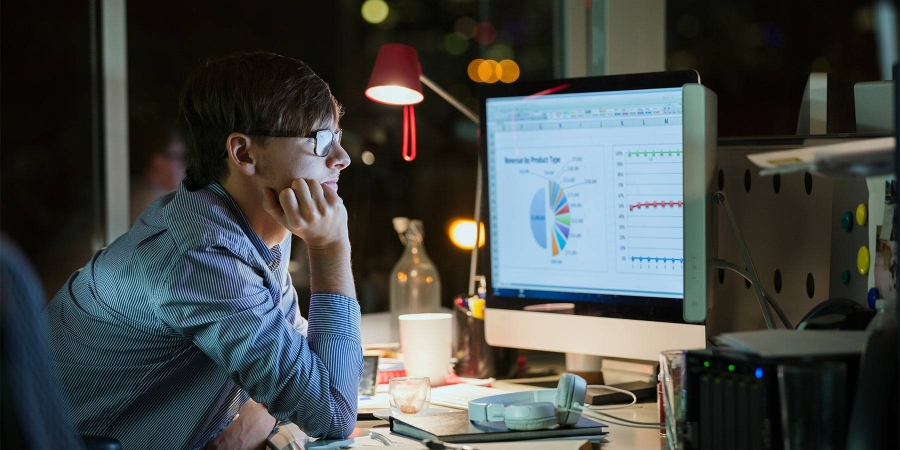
(474, 357)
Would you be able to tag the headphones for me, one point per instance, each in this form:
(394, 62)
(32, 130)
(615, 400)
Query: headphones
(534, 410)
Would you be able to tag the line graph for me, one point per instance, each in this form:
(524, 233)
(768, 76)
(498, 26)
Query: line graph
(652, 153)
(649, 209)
(656, 259)
(655, 204)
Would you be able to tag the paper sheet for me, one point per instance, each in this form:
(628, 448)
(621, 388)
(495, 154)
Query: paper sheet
(789, 343)
(863, 157)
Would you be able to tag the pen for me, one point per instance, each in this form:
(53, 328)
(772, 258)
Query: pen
(378, 437)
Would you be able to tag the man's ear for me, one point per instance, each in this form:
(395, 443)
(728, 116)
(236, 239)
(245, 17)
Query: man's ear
(237, 148)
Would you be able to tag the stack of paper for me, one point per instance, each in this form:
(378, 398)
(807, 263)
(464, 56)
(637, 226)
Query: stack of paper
(864, 157)
(793, 343)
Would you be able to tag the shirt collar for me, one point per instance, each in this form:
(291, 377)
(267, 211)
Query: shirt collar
(264, 251)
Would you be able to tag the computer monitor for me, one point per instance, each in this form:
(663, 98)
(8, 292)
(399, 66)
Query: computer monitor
(599, 213)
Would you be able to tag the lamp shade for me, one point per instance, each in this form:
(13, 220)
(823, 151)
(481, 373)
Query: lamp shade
(395, 77)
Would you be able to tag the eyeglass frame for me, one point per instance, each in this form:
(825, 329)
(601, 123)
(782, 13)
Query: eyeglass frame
(335, 137)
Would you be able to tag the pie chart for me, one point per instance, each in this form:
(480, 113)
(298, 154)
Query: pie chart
(558, 225)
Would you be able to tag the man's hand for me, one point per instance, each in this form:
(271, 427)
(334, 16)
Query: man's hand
(248, 431)
(311, 211)
(317, 215)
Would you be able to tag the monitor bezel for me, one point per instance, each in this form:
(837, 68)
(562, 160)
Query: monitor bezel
(655, 309)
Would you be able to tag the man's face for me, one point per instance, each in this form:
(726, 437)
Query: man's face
(172, 164)
(284, 159)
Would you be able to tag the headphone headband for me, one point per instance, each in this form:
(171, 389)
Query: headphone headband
(490, 409)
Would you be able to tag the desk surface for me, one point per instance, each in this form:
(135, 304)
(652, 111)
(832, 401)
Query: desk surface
(620, 437)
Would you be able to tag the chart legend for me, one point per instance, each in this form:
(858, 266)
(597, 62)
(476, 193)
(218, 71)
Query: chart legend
(561, 218)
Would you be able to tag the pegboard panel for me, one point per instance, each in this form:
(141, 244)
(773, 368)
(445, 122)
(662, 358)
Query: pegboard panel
(791, 225)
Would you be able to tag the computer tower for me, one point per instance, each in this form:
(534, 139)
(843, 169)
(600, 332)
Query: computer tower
(732, 398)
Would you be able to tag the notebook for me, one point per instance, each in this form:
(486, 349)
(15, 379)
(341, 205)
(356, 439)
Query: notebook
(455, 427)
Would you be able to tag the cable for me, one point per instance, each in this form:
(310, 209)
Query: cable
(614, 389)
(722, 264)
(595, 414)
(719, 197)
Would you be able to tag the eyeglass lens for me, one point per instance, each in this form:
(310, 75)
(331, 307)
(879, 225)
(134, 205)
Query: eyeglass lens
(325, 139)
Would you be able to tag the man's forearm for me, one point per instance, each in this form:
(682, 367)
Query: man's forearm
(330, 270)
(331, 413)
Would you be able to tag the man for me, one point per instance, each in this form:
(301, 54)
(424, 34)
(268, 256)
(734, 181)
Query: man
(168, 333)
(157, 163)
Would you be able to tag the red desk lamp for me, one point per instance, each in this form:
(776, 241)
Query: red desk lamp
(397, 80)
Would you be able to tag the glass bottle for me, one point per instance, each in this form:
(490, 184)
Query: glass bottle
(415, 284)
(885, 315)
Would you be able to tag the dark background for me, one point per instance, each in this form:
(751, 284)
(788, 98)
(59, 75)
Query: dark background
(756, 55)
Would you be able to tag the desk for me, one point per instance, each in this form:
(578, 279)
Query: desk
(375, 329)
(620, 437)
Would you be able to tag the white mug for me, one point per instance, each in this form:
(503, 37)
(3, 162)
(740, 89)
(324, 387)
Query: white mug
(425, 343)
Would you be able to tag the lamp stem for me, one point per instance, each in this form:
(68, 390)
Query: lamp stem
(473, 264)
(446, 96)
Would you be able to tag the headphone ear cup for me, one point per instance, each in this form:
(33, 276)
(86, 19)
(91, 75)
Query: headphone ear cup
(570, 392)
(530, 416)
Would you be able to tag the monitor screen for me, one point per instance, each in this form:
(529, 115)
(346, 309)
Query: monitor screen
(597, 212)
(586, 196)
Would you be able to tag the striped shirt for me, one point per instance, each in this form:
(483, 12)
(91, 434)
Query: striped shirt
(162, 336)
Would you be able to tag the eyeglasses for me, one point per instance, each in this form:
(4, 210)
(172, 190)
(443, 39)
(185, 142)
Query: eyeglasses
(323, 140)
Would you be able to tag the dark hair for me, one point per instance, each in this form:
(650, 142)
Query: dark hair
(248, 92)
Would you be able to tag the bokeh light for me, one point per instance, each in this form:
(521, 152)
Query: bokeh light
(484, 33)
(368, 158)
(509, 71)
(456, 43)
(473, 70)
(464, 25)
(499, 52)
(375, 11)
(462, 234)
(489, 71)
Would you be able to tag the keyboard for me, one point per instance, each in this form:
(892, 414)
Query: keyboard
(459, 395)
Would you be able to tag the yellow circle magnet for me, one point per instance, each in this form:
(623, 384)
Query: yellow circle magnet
(862, 214)
(863, 260)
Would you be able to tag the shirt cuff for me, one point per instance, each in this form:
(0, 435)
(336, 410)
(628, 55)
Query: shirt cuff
(334, 314)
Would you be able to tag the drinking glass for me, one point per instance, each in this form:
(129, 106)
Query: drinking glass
(409, 395)
(672, 366)
(813, 400)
